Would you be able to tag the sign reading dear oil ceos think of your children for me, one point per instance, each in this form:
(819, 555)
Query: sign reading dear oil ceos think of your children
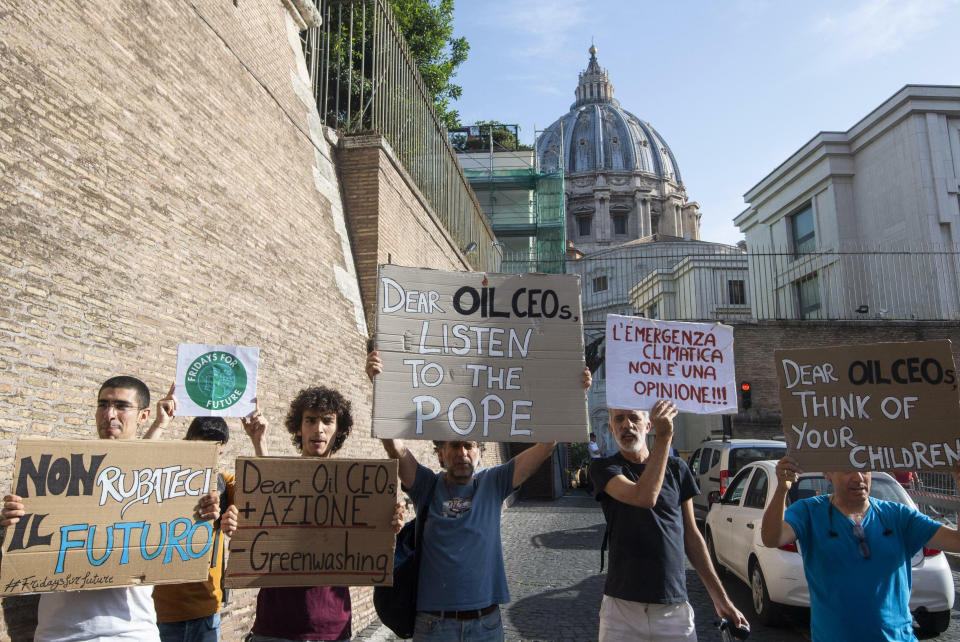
(691, 364)
(216, 381)
(310, 521)
(103, 513)
(879, 406)
(480, 357)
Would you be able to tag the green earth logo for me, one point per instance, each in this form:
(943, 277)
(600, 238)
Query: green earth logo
(216, 380)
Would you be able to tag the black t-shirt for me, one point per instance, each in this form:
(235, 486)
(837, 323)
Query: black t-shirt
(646, 545)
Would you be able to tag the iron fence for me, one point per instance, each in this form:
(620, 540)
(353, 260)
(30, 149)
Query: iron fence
(697, 281)
(366, 81)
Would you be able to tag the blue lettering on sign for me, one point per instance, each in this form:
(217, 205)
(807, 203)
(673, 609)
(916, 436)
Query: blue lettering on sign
(170, 541)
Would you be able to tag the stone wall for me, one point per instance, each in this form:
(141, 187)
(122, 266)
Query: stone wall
(165, 179)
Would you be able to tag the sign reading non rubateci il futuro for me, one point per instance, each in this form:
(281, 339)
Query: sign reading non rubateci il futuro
(312, 521)
(103, 513)
(486, 357)
(217, 381)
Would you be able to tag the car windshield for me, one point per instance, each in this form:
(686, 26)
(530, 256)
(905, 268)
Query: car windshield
(882, 488)
(740, 457)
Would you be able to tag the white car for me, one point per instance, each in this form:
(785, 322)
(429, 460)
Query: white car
(775, 575)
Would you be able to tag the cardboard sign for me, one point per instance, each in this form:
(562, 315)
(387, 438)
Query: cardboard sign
(216, 381)
(312, 521)
(691, 364)
(104, 513)
(881, 406)
(481, 357)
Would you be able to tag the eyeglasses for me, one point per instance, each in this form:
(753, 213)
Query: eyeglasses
(120, 406)
(861, 541)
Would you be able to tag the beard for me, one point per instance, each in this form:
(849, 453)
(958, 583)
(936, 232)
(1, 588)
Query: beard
(631, 446)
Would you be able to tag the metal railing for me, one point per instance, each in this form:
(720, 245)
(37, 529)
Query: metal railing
(366, 81)
(714, 282)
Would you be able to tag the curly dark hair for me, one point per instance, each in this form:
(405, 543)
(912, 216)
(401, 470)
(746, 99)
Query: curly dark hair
(325, 400)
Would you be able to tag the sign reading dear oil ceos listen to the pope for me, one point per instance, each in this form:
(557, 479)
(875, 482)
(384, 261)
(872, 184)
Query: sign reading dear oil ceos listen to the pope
(473, 356)
(216, 381)
(103, 513)
(880, 406)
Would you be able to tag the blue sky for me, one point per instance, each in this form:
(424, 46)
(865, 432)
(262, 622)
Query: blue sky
(734, 86)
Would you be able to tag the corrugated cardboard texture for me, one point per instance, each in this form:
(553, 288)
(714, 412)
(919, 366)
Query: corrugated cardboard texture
(880, 406)
(505, 351)
(108, 513)
(310, 521)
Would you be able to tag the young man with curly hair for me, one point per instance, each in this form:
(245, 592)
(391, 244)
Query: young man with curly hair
(318, 421)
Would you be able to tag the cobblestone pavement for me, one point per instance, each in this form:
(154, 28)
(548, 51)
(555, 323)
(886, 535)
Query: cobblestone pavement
(552, 558)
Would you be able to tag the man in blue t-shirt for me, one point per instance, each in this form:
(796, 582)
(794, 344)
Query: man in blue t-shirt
(856, 554)
(646, 496)
(462, 580)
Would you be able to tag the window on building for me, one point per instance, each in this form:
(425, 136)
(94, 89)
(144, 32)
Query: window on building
(599, 283)
(736, 292)
(653, 312)
(808, 297)
(619, 224)
(583, 226)
(801, 229)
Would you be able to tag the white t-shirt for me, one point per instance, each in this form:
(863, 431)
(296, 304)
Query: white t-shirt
(594, 449)
(98, 615)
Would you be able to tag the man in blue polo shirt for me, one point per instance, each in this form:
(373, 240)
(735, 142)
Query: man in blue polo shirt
(856, 554)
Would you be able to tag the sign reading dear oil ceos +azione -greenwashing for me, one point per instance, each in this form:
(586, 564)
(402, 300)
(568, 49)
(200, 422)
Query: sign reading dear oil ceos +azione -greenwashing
(474, 356)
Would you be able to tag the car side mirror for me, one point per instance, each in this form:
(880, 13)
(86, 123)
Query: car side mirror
(713, 497)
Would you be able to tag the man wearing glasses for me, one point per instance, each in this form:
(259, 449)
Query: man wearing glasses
(125, 613)
(856, 554)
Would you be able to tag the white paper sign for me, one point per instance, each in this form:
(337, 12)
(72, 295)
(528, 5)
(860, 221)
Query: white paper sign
(216, 381)
(690, 364)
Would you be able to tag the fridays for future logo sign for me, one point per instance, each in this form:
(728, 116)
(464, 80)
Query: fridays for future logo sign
(217, 381)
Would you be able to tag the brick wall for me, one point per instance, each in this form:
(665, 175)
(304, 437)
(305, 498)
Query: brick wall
(755, 343)
(165, 180)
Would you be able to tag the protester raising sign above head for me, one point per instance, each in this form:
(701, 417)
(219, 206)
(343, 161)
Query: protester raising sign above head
(478, 356)
(690, 364)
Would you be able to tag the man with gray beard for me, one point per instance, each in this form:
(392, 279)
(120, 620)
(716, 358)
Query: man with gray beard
(646, 499)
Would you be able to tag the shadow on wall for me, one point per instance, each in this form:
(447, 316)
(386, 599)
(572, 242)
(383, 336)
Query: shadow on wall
(571, 609)
(586, 539)
(20, 616)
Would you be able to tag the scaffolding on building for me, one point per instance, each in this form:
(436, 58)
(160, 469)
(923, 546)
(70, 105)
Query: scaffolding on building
(524, 206)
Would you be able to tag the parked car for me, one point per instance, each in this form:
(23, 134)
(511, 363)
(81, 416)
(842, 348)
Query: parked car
(715, 463)
(775, 575)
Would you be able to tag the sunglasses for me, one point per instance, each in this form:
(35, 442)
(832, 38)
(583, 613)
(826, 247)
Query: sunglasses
(861, 541)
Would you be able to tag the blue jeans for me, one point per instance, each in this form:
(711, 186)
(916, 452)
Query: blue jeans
(432, 628)
(202, 629)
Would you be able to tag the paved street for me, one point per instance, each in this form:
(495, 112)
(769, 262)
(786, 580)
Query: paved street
(551, 550)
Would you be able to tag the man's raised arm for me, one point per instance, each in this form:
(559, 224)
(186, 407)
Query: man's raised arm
(527, 462)
(166, 410)
(774, 530)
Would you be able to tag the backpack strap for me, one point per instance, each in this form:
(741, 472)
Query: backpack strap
(423, 510)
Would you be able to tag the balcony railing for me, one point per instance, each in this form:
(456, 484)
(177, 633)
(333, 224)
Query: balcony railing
(366, 81)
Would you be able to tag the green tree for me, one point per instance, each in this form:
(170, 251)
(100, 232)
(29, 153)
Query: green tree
(427, 26)
(504, 138)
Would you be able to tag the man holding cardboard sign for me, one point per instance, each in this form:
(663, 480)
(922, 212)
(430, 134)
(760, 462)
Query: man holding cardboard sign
(462, 581)
(856, 553)
(647, 503)
(124, 613)
(318, 421)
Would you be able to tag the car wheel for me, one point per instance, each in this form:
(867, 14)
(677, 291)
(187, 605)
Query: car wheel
(932, 623)
(765, 610)
(717, 566)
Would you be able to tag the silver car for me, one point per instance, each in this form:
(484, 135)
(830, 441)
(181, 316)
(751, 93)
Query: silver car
(775, 575)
